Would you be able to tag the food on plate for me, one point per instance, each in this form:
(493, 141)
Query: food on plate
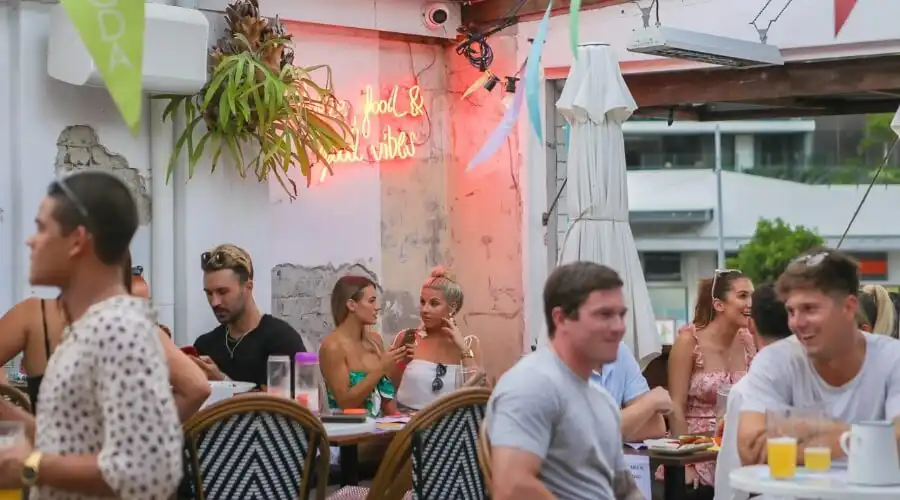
(693, 439)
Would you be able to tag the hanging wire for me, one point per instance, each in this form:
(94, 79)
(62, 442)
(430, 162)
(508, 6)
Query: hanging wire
(887, 158)
(764, 32)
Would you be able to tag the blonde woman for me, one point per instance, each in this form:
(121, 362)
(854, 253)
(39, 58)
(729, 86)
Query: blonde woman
(439, 349)
(883, 321)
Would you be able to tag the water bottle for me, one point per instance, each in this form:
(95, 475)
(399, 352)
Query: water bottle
(307, 380)
(278, 376)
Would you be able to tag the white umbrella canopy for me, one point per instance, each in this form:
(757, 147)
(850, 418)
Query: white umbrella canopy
(596, 102)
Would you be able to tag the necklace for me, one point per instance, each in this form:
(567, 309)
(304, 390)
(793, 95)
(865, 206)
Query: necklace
(236, 343)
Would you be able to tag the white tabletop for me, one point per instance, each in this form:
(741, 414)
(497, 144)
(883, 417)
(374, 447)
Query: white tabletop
(830, 485)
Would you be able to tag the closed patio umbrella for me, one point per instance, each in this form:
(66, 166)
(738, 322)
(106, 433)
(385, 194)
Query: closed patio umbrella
(596, 102)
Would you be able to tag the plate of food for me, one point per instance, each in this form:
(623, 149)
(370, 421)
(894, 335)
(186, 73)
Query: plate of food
(684, 445)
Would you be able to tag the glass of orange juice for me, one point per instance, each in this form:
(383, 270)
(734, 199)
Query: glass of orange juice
(782, 453)
(10, 432)
(817, 458)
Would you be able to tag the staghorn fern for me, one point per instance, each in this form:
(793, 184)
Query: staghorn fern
(256, 96)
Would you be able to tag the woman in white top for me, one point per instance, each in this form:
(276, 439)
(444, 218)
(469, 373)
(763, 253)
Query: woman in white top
(440, 351)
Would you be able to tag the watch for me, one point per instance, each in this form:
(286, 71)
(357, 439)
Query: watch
(30, 468)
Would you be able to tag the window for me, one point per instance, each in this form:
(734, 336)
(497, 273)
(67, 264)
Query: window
(661, 266)
(670, 306)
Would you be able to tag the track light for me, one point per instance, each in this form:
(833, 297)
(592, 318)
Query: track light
(491, 83)
(510, 85)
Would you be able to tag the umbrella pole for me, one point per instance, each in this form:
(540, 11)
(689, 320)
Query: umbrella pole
(720, 222)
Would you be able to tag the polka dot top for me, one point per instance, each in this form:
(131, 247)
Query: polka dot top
(106, 391)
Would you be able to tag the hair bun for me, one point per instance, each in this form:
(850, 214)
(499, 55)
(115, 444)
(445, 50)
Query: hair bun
(442, 272)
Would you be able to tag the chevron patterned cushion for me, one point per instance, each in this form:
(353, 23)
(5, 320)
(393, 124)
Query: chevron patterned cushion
(445, 458)
(357, 493)
(249, 456)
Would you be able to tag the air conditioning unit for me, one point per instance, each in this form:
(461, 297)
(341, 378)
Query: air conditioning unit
(176, 44)
(681, 44)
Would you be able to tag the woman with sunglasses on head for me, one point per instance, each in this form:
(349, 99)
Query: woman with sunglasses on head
(713, 351)
(35, 327)
(355, 364)
(437, 352)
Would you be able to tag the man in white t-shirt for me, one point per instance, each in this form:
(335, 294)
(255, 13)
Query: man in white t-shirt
(827, 362)
(771, 325)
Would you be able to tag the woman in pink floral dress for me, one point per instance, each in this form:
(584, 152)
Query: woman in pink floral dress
(714, 351)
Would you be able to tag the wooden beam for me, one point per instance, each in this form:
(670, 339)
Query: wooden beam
(706, 113)
(490, 11)
(820, 78)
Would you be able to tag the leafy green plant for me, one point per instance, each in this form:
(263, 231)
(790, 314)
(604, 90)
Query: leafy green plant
(773, 245)
(256, 97)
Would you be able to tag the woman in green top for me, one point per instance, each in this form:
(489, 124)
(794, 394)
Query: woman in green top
(355, 364)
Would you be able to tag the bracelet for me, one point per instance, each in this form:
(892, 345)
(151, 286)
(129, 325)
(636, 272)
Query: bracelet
(468, 354)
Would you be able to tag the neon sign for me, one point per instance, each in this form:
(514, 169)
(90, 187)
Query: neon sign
(391, 143)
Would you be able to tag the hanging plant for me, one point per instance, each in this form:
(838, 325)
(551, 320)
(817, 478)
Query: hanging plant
(256, 96)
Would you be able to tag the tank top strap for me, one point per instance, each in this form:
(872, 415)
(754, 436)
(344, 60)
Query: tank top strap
(747, 341)
(697, 353)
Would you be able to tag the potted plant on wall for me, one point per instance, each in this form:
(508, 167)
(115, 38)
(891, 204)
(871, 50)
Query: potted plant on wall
(256, 98)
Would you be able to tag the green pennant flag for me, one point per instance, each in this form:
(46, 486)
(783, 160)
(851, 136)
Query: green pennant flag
(574, 14)
(113, 32)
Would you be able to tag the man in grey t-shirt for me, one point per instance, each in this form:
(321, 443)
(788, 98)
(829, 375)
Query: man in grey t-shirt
(552, 434)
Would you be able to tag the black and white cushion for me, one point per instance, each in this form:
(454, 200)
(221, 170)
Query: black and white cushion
(445, 457)
(250, 456)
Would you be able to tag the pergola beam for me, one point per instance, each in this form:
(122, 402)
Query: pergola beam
(490, 11)
(793, 80)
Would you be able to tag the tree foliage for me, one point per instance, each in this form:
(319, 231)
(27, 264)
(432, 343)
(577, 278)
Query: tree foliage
(770, 250)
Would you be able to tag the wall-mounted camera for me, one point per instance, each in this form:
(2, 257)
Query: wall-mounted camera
(435, 15)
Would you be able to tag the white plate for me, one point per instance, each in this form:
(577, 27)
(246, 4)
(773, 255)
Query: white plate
(224, 389)
(675, 450)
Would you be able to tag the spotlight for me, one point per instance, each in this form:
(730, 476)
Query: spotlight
(491, 83)
(510, 85)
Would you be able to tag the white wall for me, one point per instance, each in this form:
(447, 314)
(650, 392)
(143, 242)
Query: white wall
(34, 110)
(336, 222)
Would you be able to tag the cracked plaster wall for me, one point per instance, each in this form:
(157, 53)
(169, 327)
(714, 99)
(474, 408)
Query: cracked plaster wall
(485, 213)
(78, 147)
(415, 232)
(301, 295)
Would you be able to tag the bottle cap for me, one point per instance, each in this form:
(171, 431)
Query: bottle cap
(306, 358)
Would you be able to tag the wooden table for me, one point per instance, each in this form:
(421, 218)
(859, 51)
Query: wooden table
(673, 468)
(349, 446)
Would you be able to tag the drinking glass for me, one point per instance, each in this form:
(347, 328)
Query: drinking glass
(278, 376)
(782, 457)
(10, 432)
(464, 374)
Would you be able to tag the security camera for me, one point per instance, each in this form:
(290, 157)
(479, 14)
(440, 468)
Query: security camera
(436, 15)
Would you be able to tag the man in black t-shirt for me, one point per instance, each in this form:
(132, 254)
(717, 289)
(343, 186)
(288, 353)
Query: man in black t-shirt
(239, 347)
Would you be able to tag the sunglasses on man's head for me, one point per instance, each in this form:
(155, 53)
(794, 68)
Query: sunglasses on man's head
(208, 259)
(811, 260)
(213, 261)
(75, 200)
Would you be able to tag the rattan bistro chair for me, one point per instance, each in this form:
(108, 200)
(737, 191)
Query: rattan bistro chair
(16, 397)
(254, 447)
(484, 453)
(434, 457)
